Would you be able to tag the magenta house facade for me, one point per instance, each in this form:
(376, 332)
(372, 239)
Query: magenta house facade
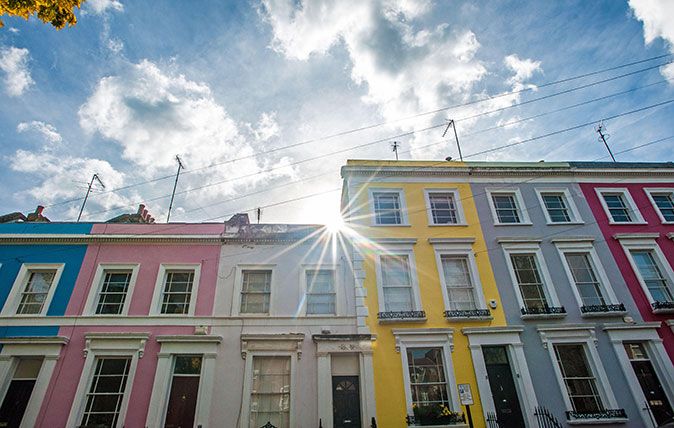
(634, 208)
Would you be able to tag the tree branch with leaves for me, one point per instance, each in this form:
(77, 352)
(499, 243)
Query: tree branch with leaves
(58, 13)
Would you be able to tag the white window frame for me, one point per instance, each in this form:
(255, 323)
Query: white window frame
(398, 250)
(460, 217)
(462, 250)
(172, 346)
(305, 288)
(428, 338)
(14, 297)
(97, 285)
(647, 334)
(587, 248)
(404, 220)
(519, 202)
(571, 207)
(649, 192)
(238, 287)
(550, 293)
(158, 294)
(510, 338)
(107, 345)
(646, 244)
(269, 345)
(13, 349)
(631, 205)
(584, 336)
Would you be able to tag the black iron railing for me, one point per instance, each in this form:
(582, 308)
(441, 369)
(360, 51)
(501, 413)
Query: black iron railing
(373, 424)
(593, 309)
(269, 425)
(662, 305)
(472, 313)
(598, 415)
(401, 315)
(453, 418)
(546, 419)
(492, 420)
(544, 310)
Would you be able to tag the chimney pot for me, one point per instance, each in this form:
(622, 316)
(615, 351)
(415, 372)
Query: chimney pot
(38, 210)
(141, 207)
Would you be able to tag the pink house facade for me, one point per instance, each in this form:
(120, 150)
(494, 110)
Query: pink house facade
(636, 216)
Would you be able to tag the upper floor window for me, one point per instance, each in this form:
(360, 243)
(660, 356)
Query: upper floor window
(320, 292)
(659, 286)
(34, 294)
(619, 206)
(388, 207)
(33, 289)
(507, 207)
(396, 280)
(113, 292)
(177, 292)
(558, 206)
(444, 207)
(663, 201)
(255, 291)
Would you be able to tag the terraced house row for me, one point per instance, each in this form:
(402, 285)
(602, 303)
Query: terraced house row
(456, 294)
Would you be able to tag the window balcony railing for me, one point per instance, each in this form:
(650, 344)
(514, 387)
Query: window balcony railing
(402, 315)
(429, 419)
(598, 415)
(470, 313)
(659, 305)
(595, 309)
(544, 310)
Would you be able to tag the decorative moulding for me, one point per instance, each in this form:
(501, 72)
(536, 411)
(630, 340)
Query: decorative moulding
(420, 335)
(566, 239)
(619, 236)
(289, 342)
(446, 241)
(34, 340)
(101, 342)
(568, 331)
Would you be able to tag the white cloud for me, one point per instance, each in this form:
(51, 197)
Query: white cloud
(267, 127)
(101, 6)
(58, 177)
(153, 115)
(658, 19)
(48, 132)
(13, 30)
(523, 68)
(14, 63)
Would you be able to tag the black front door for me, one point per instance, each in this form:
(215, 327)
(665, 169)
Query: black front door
(502, 386)
(656, 399)
(345, 401)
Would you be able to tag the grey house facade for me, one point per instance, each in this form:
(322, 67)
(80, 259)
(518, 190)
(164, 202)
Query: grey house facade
(573, 327)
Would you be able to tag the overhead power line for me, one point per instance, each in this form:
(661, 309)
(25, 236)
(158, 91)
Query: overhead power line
(354, 130)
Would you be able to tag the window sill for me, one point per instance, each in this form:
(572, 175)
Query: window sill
(663, 311)
(527, 223)
(468, 315)
(597, 421)
(543, 316)
(626, 223)
(468, 319)
(448, 225)
(399, 320)
(565, 223)
(662, 307)
(392, 225)
(603, 314)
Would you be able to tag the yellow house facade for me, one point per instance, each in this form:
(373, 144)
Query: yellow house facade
(424, 275)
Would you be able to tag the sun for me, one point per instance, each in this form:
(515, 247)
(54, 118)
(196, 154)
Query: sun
(334, 223)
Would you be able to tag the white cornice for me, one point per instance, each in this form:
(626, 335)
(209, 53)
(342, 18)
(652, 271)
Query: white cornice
(619, 236)
(566, 239)
(492, 330)
(394, 241)
(517, 240)
(73, 239)
(34, 340)
(640, 326)
(190, 338)
(447, 241)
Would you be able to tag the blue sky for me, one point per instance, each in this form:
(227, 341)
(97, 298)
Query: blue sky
(135, 83)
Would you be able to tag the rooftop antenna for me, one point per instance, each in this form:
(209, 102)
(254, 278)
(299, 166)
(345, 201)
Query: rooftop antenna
(91, 183)
(456, 136)
(258, 213)
(603, 136)
(180, 166)
(395, 146)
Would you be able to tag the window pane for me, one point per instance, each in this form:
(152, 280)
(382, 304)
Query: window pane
(657, 284)
(529, 280)
(187, 365)
(387, 208)
(459, 285)
(35, 292)
(113, 292)
(556, 207)
(104, 399)
(255, 291)
(443, 208)
(586, 281)
(177, 292)
(578, 378)
(395, 270)
(665, 203)
(270, 392)
(506, 208)
(427, 377)
(320, 291)
(398, 299)
(617, 207)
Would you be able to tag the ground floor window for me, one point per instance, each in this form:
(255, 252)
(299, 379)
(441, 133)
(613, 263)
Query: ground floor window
(19, 392)
(104, 399)
(580, 382)
(270, 392)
